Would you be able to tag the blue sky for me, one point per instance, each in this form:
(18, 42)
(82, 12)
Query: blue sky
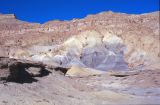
(45, 10)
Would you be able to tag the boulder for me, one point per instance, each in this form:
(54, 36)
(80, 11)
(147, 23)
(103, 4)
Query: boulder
(77, 71)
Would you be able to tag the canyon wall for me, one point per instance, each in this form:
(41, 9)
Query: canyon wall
(113, 38)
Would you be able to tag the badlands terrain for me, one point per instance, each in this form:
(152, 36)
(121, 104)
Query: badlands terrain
(107, 58)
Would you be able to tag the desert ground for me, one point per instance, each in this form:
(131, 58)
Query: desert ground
(102, 59)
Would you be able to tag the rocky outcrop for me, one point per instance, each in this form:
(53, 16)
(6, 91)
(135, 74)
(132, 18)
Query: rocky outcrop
(20, 71)
(104, 41)
(90, 49)
(76, 71)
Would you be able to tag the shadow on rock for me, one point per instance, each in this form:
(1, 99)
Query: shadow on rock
(21, 71)
(61, 69)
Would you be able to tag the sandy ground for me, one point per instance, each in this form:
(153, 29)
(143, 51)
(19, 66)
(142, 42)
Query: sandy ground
(56, 89)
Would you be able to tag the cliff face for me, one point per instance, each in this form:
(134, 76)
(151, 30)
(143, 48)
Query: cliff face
(119, 24)
(138, 35)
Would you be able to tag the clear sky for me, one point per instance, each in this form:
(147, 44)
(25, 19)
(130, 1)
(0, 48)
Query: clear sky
(45, 10)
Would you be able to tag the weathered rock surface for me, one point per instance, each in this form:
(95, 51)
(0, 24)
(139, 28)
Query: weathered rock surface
(20, 71)
(126, 41)
(108, 58)
(82, 72)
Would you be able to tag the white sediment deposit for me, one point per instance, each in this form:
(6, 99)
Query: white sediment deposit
(89, 49)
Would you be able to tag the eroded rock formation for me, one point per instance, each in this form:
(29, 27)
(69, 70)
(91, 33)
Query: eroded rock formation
(107, 58)
(20, 71)
(103, 41)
